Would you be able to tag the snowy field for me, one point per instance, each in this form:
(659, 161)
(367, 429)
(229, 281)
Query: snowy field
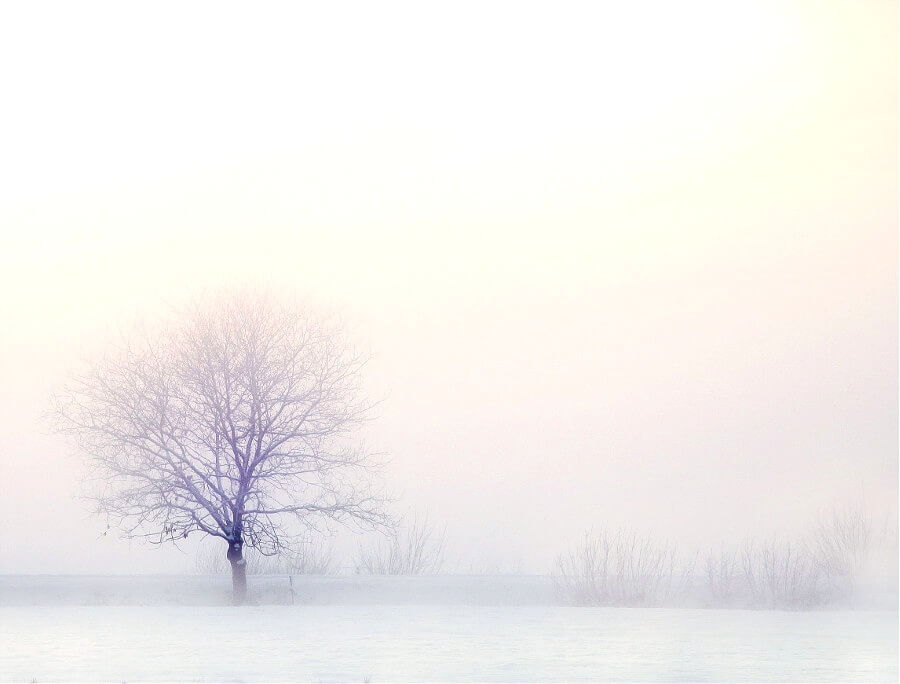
(362, 634)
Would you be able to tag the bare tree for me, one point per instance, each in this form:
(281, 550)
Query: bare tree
(235, 420)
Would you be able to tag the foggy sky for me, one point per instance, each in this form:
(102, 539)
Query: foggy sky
(616, 265)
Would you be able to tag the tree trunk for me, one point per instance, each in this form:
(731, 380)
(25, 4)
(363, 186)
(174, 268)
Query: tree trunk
(238, 573)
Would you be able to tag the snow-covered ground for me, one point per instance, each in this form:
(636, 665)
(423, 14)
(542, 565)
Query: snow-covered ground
(345, 638)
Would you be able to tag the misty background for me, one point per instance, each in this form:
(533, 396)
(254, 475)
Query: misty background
(600, 287)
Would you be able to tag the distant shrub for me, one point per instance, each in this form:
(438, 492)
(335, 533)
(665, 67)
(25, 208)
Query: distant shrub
(722, 576)
(620, 569)
(413, 549)
(310, 558)
(782, 574)
(841, 543)
(817, 569)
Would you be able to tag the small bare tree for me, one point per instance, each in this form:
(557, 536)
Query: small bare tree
(235, 420)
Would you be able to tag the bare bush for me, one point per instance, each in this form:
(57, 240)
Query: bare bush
(820, 568)
(208, 562)
(841, 543)
(311, 558)
(751, 573)
(722, 576)
(782, 574)
(583, 574)
(885, 545)
(414, 549)
(620, 569)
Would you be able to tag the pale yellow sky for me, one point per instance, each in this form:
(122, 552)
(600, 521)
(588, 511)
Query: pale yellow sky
(618, 262)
